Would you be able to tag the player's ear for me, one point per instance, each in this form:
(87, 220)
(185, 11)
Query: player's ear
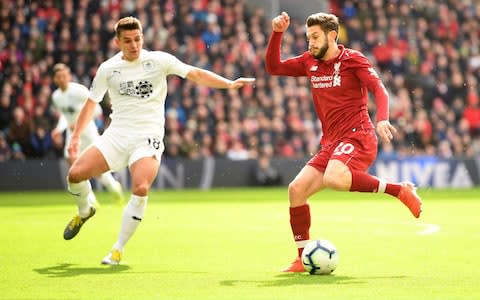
(334, 35)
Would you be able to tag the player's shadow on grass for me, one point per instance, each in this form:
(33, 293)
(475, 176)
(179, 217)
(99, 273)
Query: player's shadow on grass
(302, 279)
(71, 270)
(294, 279)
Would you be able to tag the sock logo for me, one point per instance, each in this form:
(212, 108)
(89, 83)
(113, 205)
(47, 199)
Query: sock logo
(136, 218)
(298, 237)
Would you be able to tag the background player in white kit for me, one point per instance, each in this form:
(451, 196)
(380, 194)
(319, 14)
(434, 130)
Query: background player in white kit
(68, 99)
(136, 83)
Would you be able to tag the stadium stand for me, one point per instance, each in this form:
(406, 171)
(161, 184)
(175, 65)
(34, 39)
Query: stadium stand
(427, 53)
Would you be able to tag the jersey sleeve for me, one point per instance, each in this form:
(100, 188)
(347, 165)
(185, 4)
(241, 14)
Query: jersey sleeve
(290, 67)
(99, 85)
(369, 77)
(55, 99)
(173, 65)
(83, 92)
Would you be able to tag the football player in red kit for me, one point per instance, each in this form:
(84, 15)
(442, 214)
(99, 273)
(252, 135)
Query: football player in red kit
(340, 79)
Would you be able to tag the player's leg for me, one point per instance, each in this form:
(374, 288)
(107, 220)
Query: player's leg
(346, 171)
(306, 183)
(143, 173)
(83, 145)
(90, 163)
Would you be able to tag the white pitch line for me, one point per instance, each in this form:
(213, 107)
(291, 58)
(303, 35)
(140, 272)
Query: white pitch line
(428, 229)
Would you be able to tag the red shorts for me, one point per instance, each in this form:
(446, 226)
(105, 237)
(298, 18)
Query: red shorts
(357, 151)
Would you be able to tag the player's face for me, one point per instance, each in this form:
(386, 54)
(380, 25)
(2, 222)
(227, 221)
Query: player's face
(130, 43)
(317, 41)
(62, 78)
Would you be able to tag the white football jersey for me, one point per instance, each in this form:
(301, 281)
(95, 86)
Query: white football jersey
(69, 103)
(137, 90)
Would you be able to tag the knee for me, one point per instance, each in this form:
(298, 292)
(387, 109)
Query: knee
(140, 189)
(296, 194)
(75, 175)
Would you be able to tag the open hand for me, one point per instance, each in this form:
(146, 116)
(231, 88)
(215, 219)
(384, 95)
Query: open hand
(241, 82)
(385, 130)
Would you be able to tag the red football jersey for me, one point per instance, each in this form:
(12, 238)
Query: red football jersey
(339, 87)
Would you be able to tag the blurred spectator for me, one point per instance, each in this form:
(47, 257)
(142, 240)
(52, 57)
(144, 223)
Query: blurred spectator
(6, 111)
(265, 173)
(19, 131)
(42, 144)
(17, 153)
(237, 151)
(5, 151)
(472, 114)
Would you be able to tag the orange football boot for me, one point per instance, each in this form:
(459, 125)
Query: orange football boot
(409, 197)
(295, 267)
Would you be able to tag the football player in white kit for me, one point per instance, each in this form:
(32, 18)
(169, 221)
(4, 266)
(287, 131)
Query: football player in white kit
(68, 99)
(136, 81)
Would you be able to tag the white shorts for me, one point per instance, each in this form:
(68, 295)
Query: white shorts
(121, 148)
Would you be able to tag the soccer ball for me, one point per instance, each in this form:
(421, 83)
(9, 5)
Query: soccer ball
(320, 257)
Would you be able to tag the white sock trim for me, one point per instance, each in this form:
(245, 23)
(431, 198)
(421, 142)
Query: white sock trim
(138, 200)
(382, 185)
(301, 244)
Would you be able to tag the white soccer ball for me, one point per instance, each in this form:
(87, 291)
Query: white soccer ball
(320, 257)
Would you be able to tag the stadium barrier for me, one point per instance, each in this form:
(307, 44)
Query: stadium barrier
(209, 173)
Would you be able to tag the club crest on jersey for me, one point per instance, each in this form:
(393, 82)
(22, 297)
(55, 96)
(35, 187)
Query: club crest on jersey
(114, 73)
(337, 79)
(328, 81)
(148, 65)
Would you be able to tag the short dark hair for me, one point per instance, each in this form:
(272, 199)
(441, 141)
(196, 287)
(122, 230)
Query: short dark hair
(60, 67)
(328, 22)
(127, 23)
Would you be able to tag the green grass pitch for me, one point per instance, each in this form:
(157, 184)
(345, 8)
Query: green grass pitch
(231, 244)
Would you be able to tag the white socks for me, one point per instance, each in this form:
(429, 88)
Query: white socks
(82, 192)
(132, 215)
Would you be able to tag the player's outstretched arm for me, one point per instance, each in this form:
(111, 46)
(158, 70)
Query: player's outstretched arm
(213, 80)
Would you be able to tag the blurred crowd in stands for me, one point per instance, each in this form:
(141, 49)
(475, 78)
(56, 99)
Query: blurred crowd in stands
(427, 53)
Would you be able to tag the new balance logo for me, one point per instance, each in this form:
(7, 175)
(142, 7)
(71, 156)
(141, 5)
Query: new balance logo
(313, 68)
(298, 237)
(136, 218)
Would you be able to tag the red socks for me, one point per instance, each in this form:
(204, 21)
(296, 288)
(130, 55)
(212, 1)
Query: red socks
(300, 223)
(361, 182)
(364, 182)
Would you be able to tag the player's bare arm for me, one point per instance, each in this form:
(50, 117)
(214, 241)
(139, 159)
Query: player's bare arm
(281, 22)
(82, 121)
(210, 79)
(385, 130)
